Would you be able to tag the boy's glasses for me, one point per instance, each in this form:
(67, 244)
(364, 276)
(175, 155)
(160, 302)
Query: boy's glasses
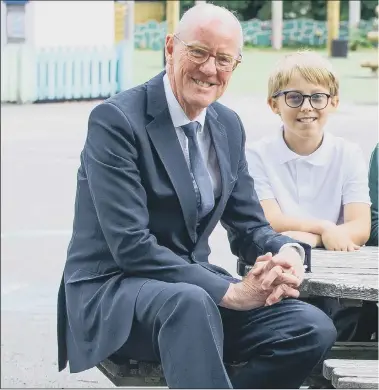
(198, 55)
(295, 99)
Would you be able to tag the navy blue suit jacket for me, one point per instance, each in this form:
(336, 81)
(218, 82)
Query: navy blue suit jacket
(135, 219)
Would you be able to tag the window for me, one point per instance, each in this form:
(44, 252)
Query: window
(15, 23)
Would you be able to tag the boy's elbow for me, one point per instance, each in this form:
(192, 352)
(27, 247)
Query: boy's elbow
(364, 233)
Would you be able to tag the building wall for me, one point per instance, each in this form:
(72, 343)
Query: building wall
(70, 23)
(148, 10)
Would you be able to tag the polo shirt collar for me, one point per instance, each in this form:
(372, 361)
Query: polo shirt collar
(319, 157)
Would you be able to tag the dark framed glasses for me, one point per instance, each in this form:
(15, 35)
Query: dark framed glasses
(199, 55)
(295, 99)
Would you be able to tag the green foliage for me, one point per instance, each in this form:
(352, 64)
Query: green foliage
(358, 39)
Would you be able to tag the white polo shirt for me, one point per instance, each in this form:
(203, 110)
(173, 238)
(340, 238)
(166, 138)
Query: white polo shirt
(314, 186)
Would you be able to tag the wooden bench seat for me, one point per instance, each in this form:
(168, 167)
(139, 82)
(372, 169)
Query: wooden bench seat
(136, 374)
(351, 374)
(141, 374)
(133, 373)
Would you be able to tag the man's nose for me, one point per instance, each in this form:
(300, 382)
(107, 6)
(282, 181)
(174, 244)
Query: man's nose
(209, 66)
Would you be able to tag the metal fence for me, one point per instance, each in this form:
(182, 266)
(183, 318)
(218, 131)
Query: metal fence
(29, 74)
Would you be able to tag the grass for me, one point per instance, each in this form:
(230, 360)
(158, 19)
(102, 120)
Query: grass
(357, 85)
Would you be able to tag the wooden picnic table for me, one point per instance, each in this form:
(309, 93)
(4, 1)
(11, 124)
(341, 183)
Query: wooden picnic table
(351, 275)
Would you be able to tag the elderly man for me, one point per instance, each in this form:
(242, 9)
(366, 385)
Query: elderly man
(162, 164)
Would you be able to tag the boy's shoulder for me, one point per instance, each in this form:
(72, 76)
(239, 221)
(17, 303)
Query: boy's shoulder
(264, 144)
(342, 145)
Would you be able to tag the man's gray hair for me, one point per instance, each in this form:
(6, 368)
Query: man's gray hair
(208, 11)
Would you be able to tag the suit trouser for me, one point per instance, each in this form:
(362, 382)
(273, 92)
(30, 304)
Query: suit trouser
(179, 325)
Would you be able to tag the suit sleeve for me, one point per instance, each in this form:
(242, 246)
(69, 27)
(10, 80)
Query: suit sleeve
(249, 232)
(373, 185)
(110, 160)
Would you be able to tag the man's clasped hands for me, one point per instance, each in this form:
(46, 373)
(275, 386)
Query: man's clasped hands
(270, 280)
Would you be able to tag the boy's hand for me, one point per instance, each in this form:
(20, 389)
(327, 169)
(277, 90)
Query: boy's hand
(335, 239)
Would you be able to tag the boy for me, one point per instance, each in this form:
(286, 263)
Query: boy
(312, 185)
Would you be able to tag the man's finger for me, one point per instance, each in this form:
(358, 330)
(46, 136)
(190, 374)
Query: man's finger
(282, 261)
(280, 292)
(257, 269)
(276, 276)
(271, 276)
(265, 257)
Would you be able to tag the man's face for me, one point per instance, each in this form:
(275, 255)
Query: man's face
(196, 86)
(304, 121)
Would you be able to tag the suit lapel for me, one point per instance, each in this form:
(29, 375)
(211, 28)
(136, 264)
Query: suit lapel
(163, 136)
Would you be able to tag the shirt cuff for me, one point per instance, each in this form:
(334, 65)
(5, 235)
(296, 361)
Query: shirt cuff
(300, 250)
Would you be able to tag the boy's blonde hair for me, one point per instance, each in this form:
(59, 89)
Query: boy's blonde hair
(310, 65)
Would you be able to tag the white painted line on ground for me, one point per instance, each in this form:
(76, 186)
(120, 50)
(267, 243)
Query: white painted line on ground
(36, 233)
(5, 290)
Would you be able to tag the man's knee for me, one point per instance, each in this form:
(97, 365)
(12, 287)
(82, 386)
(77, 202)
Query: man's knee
(190, 301)
(192, 297)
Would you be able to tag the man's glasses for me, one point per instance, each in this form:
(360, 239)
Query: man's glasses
(295, 99)
(199, 55)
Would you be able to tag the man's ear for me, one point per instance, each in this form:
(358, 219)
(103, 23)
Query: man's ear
(169, 47)
(272, 102)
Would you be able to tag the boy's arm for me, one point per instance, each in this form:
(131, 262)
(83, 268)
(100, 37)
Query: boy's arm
(356, 198)
(318, 233)
(284, 223)
(314, 240)
(357, 223)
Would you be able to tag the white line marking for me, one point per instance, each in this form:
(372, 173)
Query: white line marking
(5, 290)
(36, 233)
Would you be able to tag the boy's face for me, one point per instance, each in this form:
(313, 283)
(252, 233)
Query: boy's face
(304, 121)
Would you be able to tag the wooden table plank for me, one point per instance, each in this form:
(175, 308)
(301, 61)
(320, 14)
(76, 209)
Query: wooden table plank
(352, 275)
(328, 288)
(348, 278)
(365, 253)
(340, 373)
(338, 265)
(347, 364)
(357, 383)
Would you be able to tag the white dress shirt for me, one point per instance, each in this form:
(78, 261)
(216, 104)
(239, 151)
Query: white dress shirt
(179, 118)
(315, 186)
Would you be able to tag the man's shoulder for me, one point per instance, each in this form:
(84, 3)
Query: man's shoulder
(129, 100)
(224, 112)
